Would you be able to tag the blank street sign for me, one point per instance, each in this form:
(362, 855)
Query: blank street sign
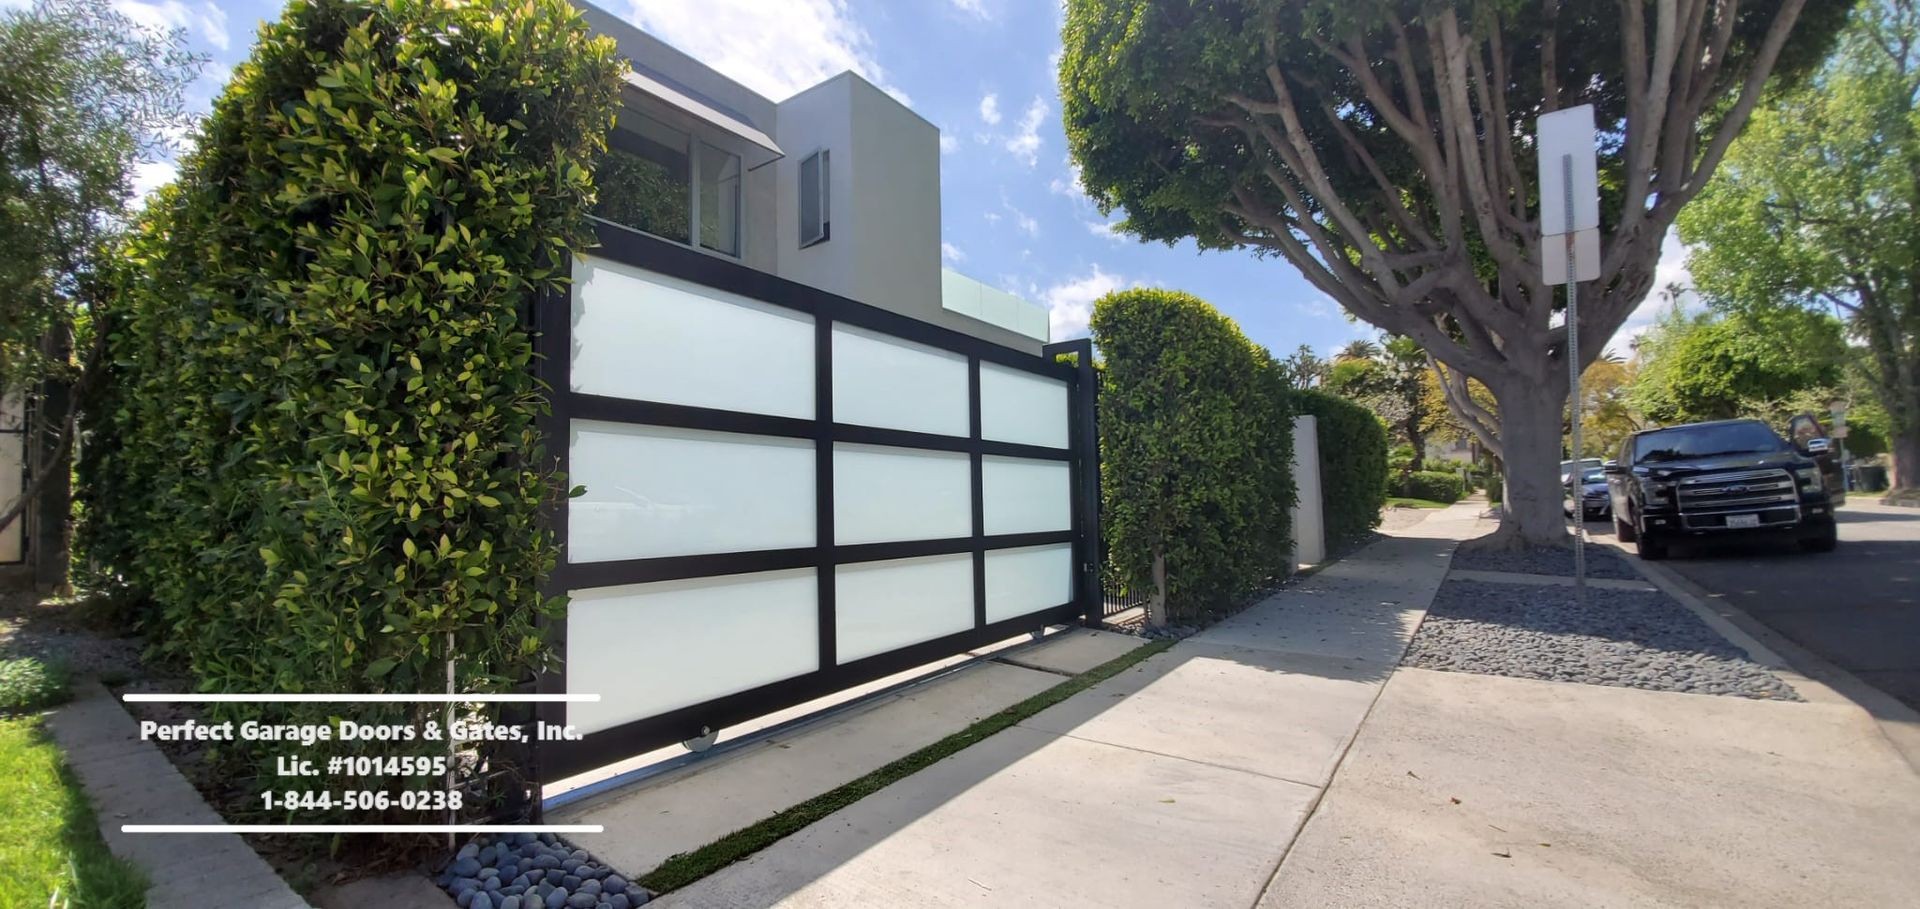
(1586, 257)
(1568, 132)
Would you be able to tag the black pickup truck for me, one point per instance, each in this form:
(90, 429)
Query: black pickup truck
(1721, 478)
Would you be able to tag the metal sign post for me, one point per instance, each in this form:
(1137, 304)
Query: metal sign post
(1566, 139)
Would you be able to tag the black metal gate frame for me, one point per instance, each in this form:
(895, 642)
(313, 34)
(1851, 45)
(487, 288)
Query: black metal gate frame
(553, 321)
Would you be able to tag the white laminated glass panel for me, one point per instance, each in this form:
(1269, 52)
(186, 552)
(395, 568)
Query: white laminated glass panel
(882, 494)
(883, 381)
(648, 337)
(646, 649)
(1018, 406)
(658, 491)
(882, 606)
(1022, 495)
(1029, 579)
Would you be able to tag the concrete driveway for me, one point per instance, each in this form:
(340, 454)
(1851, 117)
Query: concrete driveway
(1857, 607)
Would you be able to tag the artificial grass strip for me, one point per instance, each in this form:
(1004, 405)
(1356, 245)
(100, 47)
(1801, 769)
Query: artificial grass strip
(51, 853)
(687, 867)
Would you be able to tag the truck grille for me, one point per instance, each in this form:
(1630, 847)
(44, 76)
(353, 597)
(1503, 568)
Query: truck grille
(1706, 501)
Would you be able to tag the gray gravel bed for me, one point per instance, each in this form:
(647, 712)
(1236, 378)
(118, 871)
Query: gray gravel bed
(524, 871)
(1602, 561)
(1624, 638)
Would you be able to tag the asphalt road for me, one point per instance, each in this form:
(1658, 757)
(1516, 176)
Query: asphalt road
(1858, 606)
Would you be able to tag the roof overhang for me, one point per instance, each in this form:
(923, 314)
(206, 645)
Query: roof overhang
(760, 148)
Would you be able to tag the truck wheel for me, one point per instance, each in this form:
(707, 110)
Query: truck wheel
(1824, 541)
(1623, 530)
(1649, 548)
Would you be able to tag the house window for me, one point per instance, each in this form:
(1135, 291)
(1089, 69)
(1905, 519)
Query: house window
(661, 180)
(816, 222)
(719, 202)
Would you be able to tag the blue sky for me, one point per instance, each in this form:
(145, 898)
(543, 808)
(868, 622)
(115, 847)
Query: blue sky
(982, 71)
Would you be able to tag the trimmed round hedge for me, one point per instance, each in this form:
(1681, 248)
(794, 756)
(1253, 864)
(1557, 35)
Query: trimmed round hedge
(317, 452)
(1196, 445)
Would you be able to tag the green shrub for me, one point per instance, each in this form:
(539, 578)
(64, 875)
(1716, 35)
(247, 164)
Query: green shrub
(317, 454)
(28, 685)
(1353, 465)
(1494, 487)
(1434, 485)
(1196, 440)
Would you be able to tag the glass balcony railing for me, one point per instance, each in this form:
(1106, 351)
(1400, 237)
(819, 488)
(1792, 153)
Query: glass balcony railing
(964, 295)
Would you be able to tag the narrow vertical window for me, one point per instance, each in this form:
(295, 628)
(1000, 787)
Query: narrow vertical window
(719, 203)
(816, 223)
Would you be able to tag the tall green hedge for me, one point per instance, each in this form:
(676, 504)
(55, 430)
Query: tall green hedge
(1196, 441)
(317, 453)
(1353, 464)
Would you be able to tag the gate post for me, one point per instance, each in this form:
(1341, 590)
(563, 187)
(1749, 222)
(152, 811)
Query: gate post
(1083, 436)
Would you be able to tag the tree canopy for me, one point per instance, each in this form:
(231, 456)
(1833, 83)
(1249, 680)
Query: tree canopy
(1382, 147)
(1712, 366)
(1818, 206)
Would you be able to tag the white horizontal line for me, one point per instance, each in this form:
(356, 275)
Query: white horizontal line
(365, 698)
(362, 828)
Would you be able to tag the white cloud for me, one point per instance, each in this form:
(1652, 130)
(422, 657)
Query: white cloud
(974, 8)
(990, 109)
(951, 254)
(948, 144)
(1070, 303)
(151, 175)
(775, 49)
(1107, 230)
(1672, 271)
(1021, 219)
(1025, 144)
(1069, 185)
(993, 217)
(205, 20)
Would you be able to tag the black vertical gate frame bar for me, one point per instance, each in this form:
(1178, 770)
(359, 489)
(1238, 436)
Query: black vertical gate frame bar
(1083, 433)
(558, 759)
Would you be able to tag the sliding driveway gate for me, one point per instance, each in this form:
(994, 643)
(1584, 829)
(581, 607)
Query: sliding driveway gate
(789, 493)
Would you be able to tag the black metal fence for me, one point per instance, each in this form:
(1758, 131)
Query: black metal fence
(1116, 598)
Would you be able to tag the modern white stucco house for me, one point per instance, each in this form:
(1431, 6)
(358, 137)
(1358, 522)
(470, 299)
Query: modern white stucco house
(837, 187)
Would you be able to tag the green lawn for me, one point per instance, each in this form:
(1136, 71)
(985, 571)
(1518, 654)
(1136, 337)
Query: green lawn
(51, 853)
(1404, 502)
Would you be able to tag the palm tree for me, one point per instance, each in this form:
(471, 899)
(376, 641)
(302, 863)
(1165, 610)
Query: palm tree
(1357, 350)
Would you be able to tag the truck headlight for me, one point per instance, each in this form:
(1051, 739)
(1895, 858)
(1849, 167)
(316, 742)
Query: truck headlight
(1654, 490)
(1810, 478)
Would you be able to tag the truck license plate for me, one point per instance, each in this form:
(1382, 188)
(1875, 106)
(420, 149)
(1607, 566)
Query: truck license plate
(1743, 520)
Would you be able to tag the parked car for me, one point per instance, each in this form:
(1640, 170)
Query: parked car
(1569, 468)
(1595, 502)
(1719, 479)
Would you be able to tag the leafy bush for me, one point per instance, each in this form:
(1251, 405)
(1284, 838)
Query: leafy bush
(27, 685)
(1353, 465)
(1196, 443)
(318, 453)
(1494, 487)
(1434, 485)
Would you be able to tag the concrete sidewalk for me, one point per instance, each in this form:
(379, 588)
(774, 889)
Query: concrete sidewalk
(1180, 782)
(1477, 790)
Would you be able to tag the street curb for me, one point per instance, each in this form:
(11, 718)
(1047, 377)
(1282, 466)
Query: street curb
(1813, 676)
(128, 780)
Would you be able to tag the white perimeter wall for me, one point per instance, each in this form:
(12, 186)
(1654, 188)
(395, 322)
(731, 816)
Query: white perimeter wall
(1309, 518)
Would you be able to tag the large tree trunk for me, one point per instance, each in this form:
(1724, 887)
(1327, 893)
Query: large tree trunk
(1905, 448)
(1530, 414)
